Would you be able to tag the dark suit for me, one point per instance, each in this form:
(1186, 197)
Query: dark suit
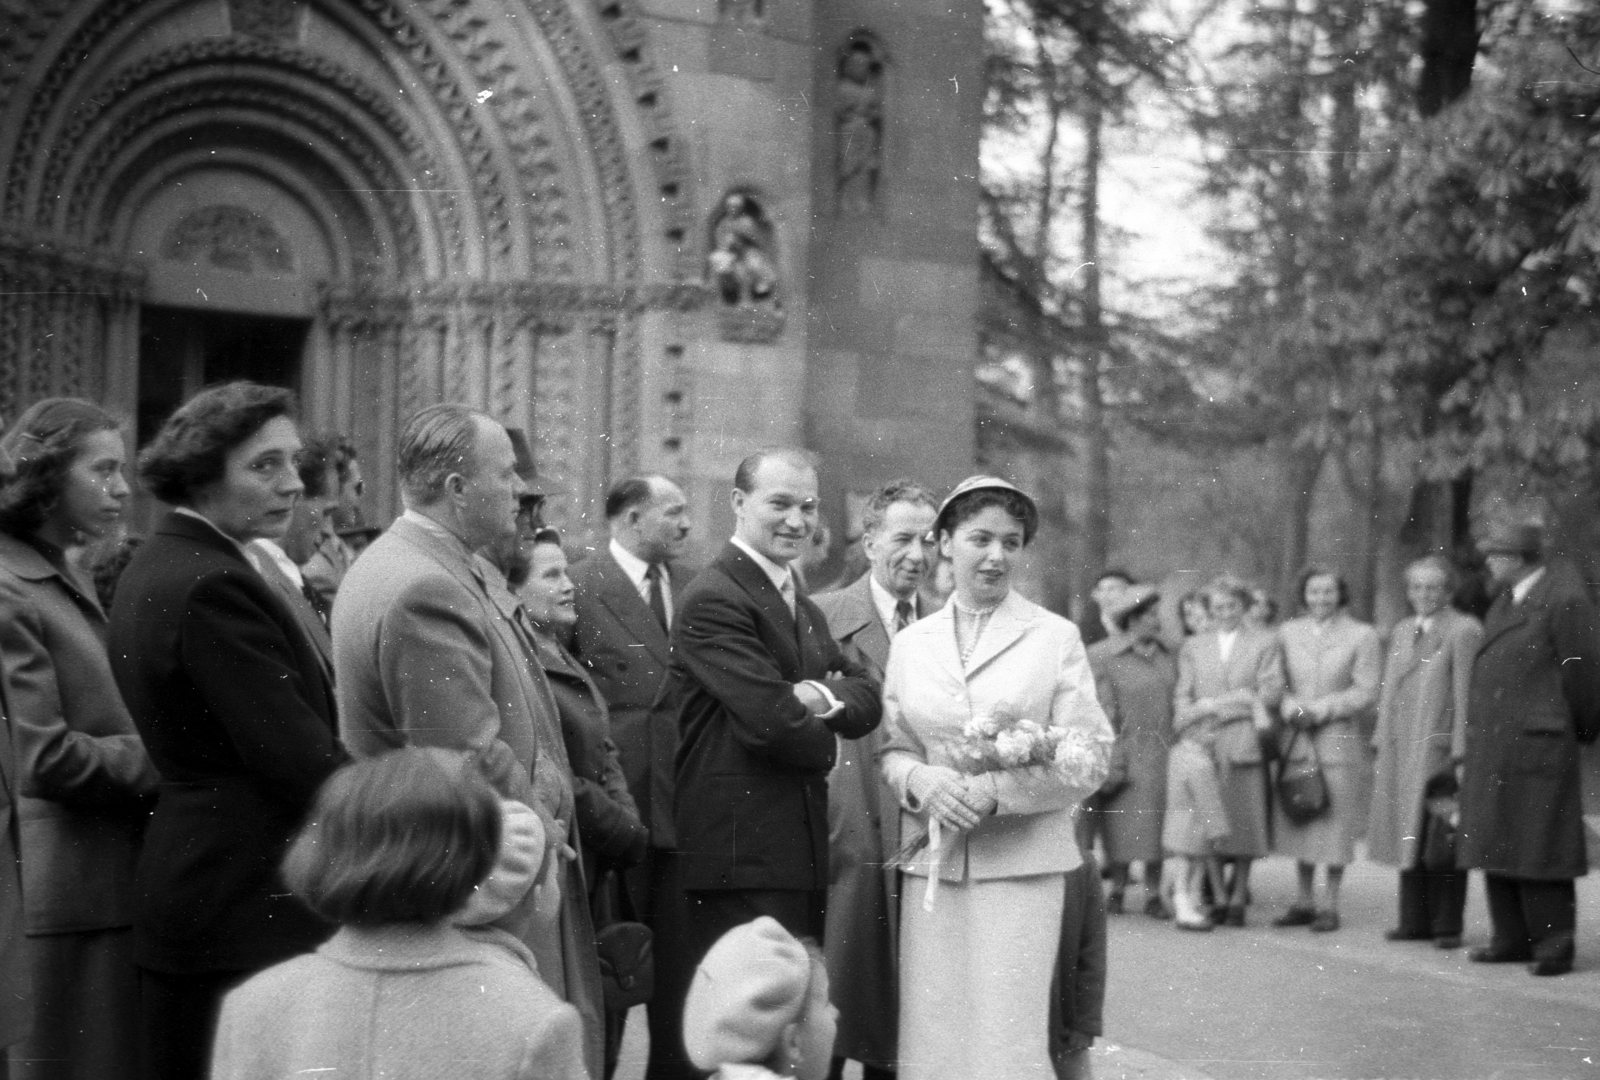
(1535, 698)
(863, 833)
(753, 762)
(237, 712)
(627, 653)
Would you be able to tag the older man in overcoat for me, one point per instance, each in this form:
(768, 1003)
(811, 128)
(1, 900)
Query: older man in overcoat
(863, 813)
(1535, 698)
(428, 652)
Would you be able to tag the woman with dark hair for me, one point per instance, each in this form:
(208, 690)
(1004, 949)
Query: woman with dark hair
(85, 784)
(410, 853)
(1228, 678)
(235, 703)
(1135, 674)
(612, 837)
(1333, 663)
(982, 928)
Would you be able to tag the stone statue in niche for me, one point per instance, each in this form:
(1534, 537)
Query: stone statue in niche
(229, 237)
(741, 264)
(858, 125)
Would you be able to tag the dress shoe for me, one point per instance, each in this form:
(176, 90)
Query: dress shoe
(1495, 954)
(1234, 915)
(1203, 926)
(1296, 916)
(1447, 941)
(1398, 934)
(1551, 965)
(1325, 922)
(1156, 908)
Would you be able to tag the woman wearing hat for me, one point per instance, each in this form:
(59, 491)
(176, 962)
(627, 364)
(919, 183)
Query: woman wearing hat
(1135, 675)
(977, 952)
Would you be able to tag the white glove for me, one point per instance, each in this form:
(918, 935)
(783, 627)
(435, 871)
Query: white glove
(941, 793)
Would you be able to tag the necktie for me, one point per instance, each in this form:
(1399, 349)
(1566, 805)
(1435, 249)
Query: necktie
(902, 615)
(786, 590)
(658, 600)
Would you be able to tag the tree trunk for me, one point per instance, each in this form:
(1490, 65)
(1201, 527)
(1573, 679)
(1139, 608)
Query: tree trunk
(1304, 467)
(1449, 48)
(1096, 449)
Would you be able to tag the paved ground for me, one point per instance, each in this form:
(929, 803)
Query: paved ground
(1266, 1004)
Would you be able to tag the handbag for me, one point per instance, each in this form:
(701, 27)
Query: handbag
(1116, 774)
(626, 949)
(1302, 789)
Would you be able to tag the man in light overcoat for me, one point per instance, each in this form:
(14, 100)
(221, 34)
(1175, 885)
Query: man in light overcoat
(1534, 700)
(428, 653)
(1422, 719)
(863, 813)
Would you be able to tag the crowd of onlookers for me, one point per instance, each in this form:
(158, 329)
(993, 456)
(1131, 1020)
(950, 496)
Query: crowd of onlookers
(387, 771)
(1454, 747)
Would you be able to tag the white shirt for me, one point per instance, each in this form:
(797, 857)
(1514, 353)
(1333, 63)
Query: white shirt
(638, 570)
(280, 559)
(886, 602)
(1520, 591)
(780, 576)
(1225, 640)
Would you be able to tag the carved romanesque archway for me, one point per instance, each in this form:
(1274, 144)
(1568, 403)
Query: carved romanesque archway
(443, 189)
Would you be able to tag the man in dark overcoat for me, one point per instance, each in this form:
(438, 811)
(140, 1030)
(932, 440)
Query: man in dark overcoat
(626, 594)
(1535, 698)
(763, 691)
(863, 813)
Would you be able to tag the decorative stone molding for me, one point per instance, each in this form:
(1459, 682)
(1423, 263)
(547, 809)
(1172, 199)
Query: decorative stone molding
(858, 124)
(229, 237)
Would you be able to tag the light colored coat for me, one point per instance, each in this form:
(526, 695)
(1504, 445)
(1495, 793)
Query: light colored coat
(863, 833)
(1337, 669)
(401, 1003)
(428, 653)
(1422, 716)
(1254, 671)
(1027, 661)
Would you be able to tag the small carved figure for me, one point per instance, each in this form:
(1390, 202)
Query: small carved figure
(741, 260)
(858, 126)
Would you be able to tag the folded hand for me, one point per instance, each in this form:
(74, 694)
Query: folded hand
(942, 793)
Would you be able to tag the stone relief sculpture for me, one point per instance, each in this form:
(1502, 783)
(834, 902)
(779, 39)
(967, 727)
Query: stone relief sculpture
(742, 269)
(230, 237)
(741, 262)
(858, 125)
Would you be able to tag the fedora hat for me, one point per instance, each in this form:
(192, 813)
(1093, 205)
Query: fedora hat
(1511, 538)
(1030, 521)
(1134, 598)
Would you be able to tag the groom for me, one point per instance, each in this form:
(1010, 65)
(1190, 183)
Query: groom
(764, 690)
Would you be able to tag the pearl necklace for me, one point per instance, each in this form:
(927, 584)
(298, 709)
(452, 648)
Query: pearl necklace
(979, 620)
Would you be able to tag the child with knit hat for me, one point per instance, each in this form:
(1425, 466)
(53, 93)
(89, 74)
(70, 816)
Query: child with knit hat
(759, 1008)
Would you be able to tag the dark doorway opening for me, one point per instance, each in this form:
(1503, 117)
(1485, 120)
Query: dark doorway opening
(182, 350)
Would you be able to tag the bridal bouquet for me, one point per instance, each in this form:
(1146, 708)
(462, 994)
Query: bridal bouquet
(1001, 740)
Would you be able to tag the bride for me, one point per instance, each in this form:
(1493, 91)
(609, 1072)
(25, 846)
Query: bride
(978, 951)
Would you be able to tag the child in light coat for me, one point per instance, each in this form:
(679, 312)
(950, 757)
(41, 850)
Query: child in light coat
(758, 1008)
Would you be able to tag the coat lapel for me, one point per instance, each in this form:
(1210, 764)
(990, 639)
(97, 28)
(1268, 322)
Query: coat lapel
(754, 581)
(1009, 622)
(620, 598)
(860, 624)
(29, 563)
(1504, 616)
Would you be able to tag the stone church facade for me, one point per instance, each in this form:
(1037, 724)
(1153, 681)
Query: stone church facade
(652, 233)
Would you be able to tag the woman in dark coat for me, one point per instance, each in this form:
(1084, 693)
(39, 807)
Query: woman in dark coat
(235, 703)
(85, 783)
(611, 834)
(1135, 676)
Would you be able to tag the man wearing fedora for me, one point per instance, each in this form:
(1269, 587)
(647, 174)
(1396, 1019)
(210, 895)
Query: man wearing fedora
(1534, 698)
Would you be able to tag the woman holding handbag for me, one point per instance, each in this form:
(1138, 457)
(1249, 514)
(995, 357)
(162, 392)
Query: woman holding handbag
(1333, 667)
(611, 836)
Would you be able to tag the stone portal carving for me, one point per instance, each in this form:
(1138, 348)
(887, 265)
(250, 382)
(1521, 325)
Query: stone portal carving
(743, 269)
(858, 125)
(229, 237)
(269, 20)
